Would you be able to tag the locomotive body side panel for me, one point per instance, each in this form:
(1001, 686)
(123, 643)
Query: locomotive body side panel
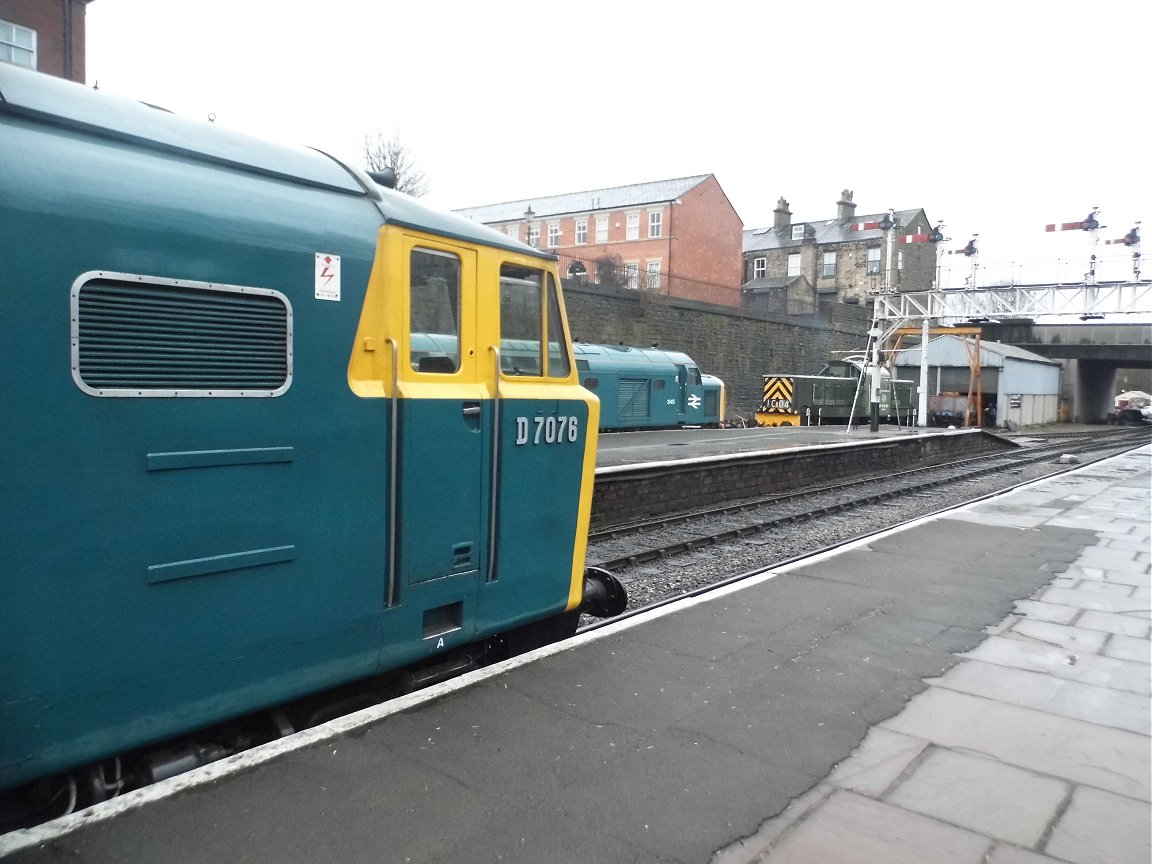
(199, 515)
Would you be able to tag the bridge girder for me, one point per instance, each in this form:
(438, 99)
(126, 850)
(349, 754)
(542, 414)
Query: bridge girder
(982, 305)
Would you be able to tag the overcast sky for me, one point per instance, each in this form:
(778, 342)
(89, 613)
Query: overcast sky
(995, 117)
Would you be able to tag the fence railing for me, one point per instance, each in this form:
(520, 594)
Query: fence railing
(613, 273)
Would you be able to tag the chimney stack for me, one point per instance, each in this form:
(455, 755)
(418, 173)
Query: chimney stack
(783, 215)
(845, 209)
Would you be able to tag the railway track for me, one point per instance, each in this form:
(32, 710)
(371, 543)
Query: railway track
(668, 557)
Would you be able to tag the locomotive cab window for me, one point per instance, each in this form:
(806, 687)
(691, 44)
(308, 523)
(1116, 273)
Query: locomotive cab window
(530, 321)
(434, 316)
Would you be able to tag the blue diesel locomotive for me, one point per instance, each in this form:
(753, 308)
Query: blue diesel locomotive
(649, 388)
(268, 428)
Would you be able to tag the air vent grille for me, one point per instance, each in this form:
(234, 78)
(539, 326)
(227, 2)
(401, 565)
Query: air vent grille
(150, 338)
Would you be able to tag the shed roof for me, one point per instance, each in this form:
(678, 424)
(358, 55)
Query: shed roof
(614, 198)
(769, 283)
(952, 351)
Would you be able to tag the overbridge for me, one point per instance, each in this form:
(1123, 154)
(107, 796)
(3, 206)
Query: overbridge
(1095, 329)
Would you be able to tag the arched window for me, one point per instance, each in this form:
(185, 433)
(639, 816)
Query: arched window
(577, 271)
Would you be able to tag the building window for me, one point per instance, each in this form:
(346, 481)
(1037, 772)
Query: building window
(874, 260)
(900, 260)
(512, 231)
(829, 264)
(798, 232)
(17, 45)
(794, 264)
(655, 224)
(633, 227)
(653, 275)
(601, 229)
(631, 271)
(759, 268)
(534, 236)
(581, 232)
(553, 235)
(577, 271)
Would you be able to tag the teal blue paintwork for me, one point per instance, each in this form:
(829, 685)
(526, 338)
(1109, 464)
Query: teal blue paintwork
(169, 562)
(648, 388)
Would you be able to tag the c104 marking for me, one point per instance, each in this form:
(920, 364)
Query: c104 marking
(547, 430)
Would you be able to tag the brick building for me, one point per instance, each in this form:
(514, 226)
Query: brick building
(679, 238)
(45, 35)
(792, 265)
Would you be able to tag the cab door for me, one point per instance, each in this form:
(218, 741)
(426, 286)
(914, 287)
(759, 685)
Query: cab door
(544, 457)
(441, 460)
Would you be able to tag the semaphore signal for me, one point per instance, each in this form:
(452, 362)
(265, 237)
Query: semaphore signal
(1089, 223)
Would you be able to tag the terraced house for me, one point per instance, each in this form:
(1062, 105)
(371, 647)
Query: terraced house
(793, 264)
(680, 237)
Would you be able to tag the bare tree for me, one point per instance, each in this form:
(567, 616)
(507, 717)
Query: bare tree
(381, 153)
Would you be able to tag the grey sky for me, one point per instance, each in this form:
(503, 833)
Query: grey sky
(996, 117)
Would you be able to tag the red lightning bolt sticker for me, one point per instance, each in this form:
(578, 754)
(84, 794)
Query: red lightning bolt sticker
(327, 276)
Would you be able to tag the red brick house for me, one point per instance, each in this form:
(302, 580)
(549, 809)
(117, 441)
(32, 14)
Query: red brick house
(45, 36)
(677, 237)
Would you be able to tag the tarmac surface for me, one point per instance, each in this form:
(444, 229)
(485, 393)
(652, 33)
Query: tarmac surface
(973, 688)
(628, 448)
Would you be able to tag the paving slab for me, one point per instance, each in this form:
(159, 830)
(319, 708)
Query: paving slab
(1053, 695)
(981, 794)
(1112, 622)
(1074, 665)
(1101, 828)
(878, 762)
(852, 829)
(1111, 759)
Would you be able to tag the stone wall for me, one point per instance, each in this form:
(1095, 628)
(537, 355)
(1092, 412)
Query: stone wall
(738, 346)
(643, 491)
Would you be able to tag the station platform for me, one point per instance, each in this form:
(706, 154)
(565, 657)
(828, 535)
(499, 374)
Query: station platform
(616, 449)
(970, 689)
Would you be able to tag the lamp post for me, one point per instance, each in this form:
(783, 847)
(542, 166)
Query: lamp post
(528, 217)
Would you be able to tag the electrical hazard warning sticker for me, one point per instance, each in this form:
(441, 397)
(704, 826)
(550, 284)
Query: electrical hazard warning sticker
(327, 276)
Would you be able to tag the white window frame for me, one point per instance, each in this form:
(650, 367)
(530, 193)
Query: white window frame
(17, 41)
(653, 280)
(512, 231)
(632, 275)
(828, 265)
(632, 225)
(900, 260)
(534, 236)
(759, 268)
(655, 224)
(601, 229)
(798, 231)
(581, 232)
(874, 260)
(794, 266)
(553, 235)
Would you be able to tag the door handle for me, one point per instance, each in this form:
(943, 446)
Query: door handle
(470, 410)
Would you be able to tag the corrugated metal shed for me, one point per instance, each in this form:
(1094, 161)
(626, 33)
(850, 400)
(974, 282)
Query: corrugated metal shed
(952, 351)
(1025, 386)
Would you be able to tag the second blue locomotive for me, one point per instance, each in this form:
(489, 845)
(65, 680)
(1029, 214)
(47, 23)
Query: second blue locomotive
(649, 388)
